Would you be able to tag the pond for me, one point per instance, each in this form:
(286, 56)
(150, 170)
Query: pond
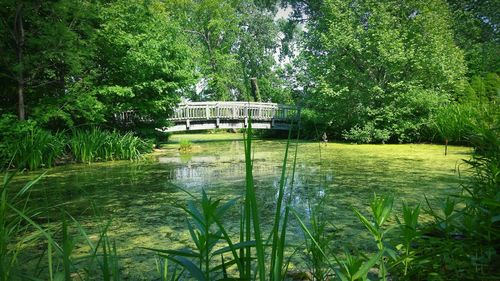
(142, 197)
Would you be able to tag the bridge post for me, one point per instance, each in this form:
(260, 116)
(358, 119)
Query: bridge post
(273, 115)
(218, 115)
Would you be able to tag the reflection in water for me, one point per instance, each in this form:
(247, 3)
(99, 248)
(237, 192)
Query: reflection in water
(141, 197)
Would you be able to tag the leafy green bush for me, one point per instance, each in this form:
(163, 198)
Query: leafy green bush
(367, 134)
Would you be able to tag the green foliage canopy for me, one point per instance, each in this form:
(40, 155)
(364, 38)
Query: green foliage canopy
(381, 68)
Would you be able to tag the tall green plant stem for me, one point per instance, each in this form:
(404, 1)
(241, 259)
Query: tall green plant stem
(250, 196)
(275, 273)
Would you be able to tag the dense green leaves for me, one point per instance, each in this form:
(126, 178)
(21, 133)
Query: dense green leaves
(381, 68)
(80, 61)
(476, 33)
(144, 61)
(42, 49)
(234, 41)
(371, 71)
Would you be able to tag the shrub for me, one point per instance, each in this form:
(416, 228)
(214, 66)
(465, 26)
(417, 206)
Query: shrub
(367, 134)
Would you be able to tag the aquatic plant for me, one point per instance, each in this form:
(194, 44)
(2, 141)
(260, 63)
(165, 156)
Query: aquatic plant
(19, 232)
(462, 242)
(185, 145)
(165, 273)
(99, 145)
(207, 230)
(317, 226)
(408, 233)
(461, 123)
(26, 146)
(381, 210)
(37, 148)
(103, 253)
(453, 123)
(13, 240)
(350, 267)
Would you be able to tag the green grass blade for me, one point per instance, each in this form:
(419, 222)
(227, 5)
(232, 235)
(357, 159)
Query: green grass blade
(367, 223)
(275, 273)
(363, 270)
(250, 196)
(306, 230)
(181, 253)
(190, 267)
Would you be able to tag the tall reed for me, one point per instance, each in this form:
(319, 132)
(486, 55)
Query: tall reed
(98, 145)
(20, 232)
(13, 238)
(35, 148)
(249, 255)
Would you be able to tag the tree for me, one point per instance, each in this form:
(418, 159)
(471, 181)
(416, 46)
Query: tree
(235, 41)
(381, 68)
(143, 61)
(212, 26)
(476, 25)
(256, 47)
(41, 47)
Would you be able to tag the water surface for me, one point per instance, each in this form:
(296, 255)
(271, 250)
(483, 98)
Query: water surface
(142, 197)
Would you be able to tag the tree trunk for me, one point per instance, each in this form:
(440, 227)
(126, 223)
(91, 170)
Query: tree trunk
(446, 146)
(19, 33)
(20, 98)
(255, 89)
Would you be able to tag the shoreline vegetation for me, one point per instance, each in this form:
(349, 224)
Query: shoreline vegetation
(90, 81)
(458, 243)
(27, 147)
(97, 145)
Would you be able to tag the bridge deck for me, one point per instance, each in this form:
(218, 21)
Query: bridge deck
(231, 115)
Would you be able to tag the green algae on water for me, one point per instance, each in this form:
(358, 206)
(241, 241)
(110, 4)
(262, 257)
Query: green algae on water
(142, 197)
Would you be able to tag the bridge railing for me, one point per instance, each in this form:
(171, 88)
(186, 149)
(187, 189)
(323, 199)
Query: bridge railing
(234, 111)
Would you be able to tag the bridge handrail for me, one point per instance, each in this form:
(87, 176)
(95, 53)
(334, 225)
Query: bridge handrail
(234, 111)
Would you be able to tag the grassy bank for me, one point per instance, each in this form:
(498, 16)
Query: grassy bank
(28, 147)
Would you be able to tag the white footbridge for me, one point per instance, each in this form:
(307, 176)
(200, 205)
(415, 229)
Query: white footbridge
(193, 116)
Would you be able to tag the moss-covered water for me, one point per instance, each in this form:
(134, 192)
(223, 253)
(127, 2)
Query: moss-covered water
(141, 197)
